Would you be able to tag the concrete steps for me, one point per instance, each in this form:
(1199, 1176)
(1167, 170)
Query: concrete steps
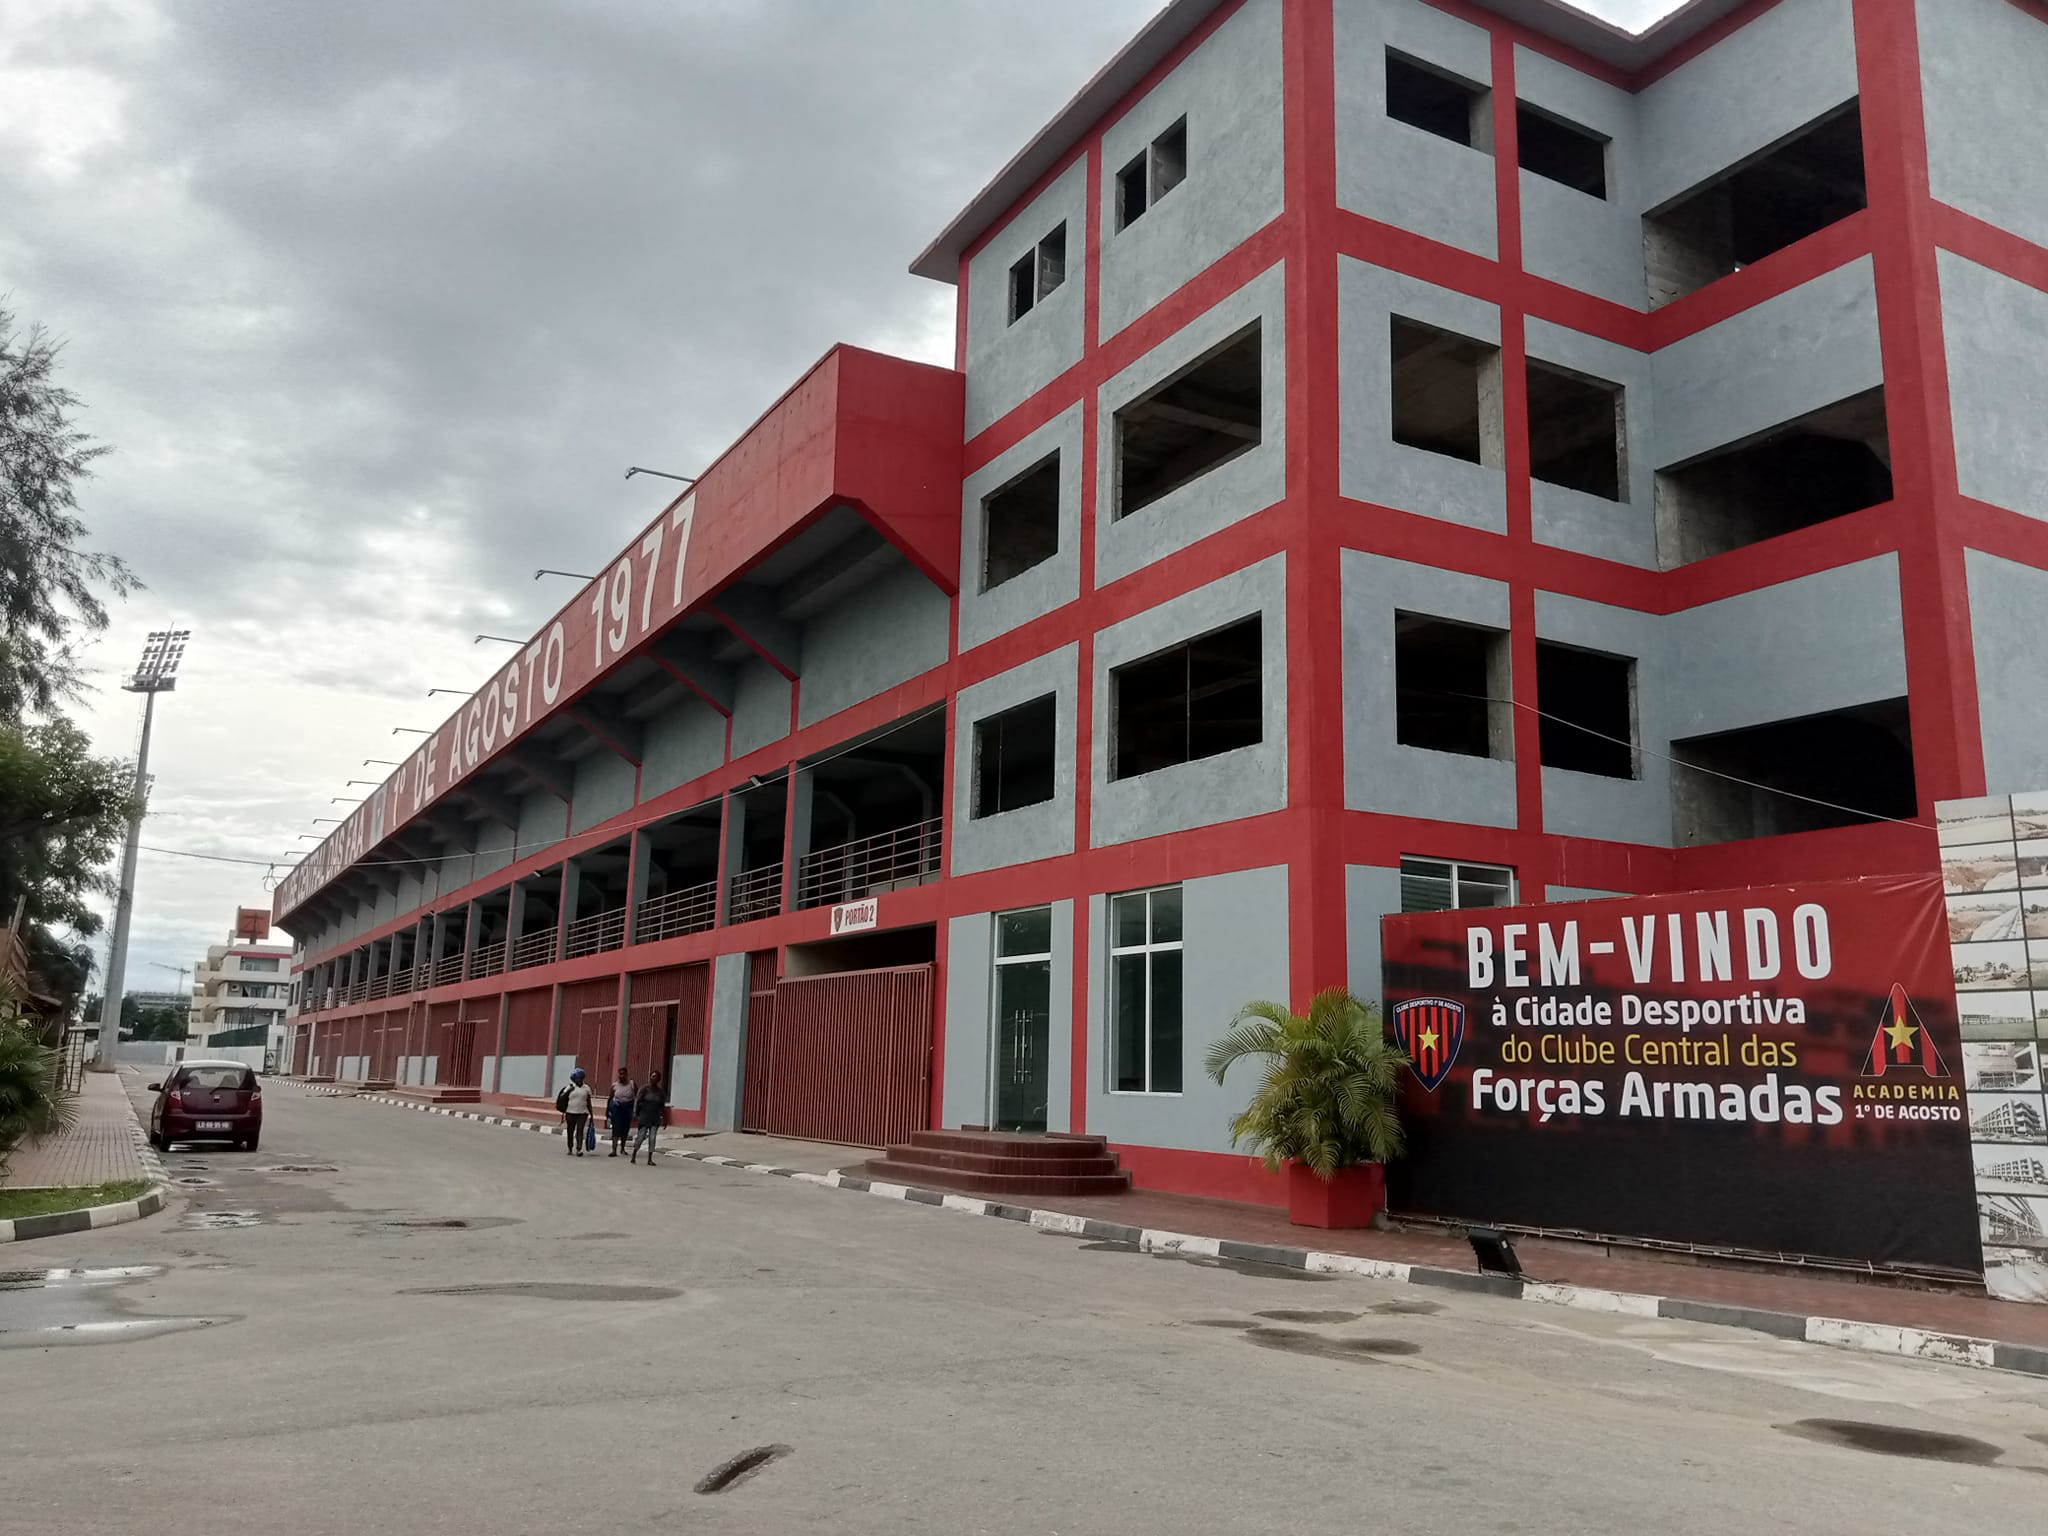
(1002, 1163)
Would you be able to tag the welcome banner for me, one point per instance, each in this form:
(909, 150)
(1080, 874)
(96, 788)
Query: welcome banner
(1775, 1069)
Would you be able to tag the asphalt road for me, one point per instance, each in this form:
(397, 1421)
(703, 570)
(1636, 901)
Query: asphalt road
(623, 1332)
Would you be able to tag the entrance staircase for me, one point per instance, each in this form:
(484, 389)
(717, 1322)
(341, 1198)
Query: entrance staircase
(1002, 1163)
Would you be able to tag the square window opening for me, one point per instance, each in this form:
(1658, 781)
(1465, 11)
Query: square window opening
(1447, 885)
(1020, 523)
(1575, 432)
(1798, 187)
(1823, 465)
(1425, 97)
(1838, 769)
(1559, 151)
(1198, 420)
(1169, 159)
(1195, 700)
(1451, 687)
(1023, 288)
(1588, 705)
(1446, 393)
(1052, 261)
(1013, 757)
(1130, 192)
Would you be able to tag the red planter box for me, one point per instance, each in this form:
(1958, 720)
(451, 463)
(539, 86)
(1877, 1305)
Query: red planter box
(1350, 1198)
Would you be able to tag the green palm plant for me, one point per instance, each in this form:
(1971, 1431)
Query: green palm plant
(32, 1098)
(1332, 1077)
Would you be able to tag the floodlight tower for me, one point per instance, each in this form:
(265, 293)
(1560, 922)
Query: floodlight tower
(156, 673)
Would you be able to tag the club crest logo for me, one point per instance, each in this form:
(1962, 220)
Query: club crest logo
(1901, 1042)
(1430, 1030)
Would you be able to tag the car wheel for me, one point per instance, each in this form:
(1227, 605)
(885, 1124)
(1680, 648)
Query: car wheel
(251, 1144)
(156, 1140)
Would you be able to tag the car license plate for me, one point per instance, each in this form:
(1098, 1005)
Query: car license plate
(213, 1125)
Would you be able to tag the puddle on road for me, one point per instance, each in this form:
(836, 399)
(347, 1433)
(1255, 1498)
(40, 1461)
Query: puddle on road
(195, 1181)
(1293, 1315)
(550, 1290)
(1220, 1322)
(1406, 1308)
(1291, 1341)
(437, 1224)
(1896, 1440)
(44, 1308)
(222, 1221)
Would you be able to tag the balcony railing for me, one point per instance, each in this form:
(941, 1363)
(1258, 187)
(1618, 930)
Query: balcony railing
(755, 893)
(381, 986)
(533, 949)
(487, 960)
(887, 861)
(690, 910)
(401, 981)
(594, 934)
(448, 970)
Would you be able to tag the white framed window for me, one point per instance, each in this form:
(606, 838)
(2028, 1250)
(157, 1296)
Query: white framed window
(1145, 991)
(1446, 885)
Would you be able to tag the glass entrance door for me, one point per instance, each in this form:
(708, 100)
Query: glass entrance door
(1022, 1067)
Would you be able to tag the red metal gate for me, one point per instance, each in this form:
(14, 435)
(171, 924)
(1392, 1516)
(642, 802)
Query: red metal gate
(845, 1057)
(455, 1050)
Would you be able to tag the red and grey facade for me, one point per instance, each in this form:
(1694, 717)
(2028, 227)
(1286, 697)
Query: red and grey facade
(1422, 435)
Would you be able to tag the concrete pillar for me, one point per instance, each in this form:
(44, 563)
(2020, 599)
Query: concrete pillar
(568, 899)
(725, 1044)
(554, 1035)
(515, 918)
(639, 855)
(732, 851)
(796, 840)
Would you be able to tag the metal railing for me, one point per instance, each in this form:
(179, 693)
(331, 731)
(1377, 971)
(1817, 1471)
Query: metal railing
(594, 934)
(448, 969)
(401, 981)
(690, 910)
(533, 949)
(884, 862)
(755, 893)
(381, 986)
(487, 960)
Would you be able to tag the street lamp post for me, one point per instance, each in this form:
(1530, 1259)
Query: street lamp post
(156, 673)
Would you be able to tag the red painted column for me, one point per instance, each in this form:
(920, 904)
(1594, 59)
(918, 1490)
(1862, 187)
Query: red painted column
(1941, 670)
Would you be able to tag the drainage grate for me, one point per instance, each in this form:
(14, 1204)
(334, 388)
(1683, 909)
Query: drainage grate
(737, 1469)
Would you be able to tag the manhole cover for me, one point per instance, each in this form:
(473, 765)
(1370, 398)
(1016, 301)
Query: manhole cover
(1896, 1440)
(550, 1290)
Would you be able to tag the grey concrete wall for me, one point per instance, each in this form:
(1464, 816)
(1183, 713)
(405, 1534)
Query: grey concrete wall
(1614, 530)
(1727, 661)
(2009, 632)
(1996, 333)
(760, 706)
(879, 635)
(1006, 363)
(1050, 583)
(1034, 831)
(1789, 66)
(543, 819)
(1984, 74)
(1592, 244)
(1373, 467)
(1229, 90)
(1246, 782)
(1591, 805)
(1380, 774)
(1231, 491)
(1789, 355)
(1387, 170)
(727, 1045)
(603, 787)
(1235, 936)
(1370, 893)
(681, 743)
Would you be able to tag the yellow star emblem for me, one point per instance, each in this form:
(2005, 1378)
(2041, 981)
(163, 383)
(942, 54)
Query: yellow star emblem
(1900, 1034)
(1427, 1040)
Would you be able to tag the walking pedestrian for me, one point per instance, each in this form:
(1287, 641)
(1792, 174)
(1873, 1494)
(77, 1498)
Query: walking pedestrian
(576, 1109)
(648, 1109)
(618, 1111)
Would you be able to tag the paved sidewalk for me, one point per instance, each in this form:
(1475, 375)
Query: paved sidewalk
(100, 1147)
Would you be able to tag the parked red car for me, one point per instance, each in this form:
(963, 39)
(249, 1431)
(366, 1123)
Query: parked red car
(207, 1101)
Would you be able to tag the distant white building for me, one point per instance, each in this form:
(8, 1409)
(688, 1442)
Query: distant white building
(240, 991)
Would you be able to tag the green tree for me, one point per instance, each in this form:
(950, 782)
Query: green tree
(32, 1098)
(63, 813)
(49, 586)
(158, 1023)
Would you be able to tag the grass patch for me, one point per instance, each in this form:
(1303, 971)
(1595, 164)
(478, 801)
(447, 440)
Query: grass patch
(16, 1203)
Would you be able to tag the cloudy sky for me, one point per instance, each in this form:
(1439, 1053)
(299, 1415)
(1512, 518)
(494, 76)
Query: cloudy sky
(376, 301)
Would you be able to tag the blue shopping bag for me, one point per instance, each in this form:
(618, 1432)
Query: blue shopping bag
(590, 1134)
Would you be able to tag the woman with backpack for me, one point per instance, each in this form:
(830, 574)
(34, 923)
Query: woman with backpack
(574, 1102)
